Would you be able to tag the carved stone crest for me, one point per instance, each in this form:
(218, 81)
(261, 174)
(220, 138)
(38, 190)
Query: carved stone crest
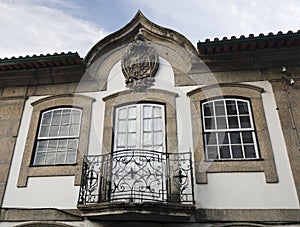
(139, 63)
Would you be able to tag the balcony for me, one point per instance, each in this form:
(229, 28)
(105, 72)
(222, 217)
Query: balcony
(138, 184)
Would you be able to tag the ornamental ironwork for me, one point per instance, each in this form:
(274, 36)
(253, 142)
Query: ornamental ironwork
(137, 176)
(140, 63)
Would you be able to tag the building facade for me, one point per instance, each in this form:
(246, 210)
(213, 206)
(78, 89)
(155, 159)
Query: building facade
(147, 129)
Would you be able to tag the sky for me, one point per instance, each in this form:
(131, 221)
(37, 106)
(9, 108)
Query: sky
(53, 26)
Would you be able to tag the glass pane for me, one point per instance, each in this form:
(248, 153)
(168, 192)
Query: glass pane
(52, 145)
(224, 152)
(157, 124)
(158, 138)
(71, 157)
(247, 137)
(131, 112)
(50, 159)
(64, 130)
(219, 108)
(231, 107)
(147, 138)
(42, 145)
(131, 140)
(131, 125)
(66, 118)
(245, 121)
(233, 122)
(123, 113)
(121, 126)
(73, 144)
(61, 157)
(147, 110)
(237, 151)
(156, 111)
(76, 116)
(208, 109)
(221, 122)
(46, 118)
(56, 117)
(212, 152)
(249, 151)
(243, 107)
(53, 131)
(74, 130)
(147, 125)
(223, 138)
(211, 138)
(209, 123)
(62, 144)
(235, 138)
(40, 158)
(44, 131)
(121, 140)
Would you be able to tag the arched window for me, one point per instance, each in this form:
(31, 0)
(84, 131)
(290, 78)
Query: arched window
(229, 132)
(58, 137)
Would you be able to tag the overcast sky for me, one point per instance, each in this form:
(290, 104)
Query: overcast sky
(47, 26)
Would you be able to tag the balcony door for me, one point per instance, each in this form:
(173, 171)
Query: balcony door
(139, 153)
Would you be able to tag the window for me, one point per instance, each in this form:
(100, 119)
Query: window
(58, 137)
(140, 126)
(229, 130)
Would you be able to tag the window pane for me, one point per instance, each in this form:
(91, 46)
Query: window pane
(224, 152)
(235, 138)
(56, 117)
(40, 158)
(223, 138)
(237, 151)
(46, 118)
(131, 125)
(147, 138)
(131, 139)
(243, 107)
(66, 117)
(219, 108)
(147, 125)
(147, 110)
(53, 131)
(247, 137)
(212, 152)
(122, 126)
(76, 114)
(71, 157)
(211, 138)
(52, 145)
(157, 124)
(42, 145)
(208, 109)
(121, 140)
(249, 151)
(156, 111)
(158, 138)
(64, 130)
(231, 107)
(131, 112)
(122, 113)
(61, 158)
(74, 130)
(72, 143)
(50, 159)
(221, 123)
(44, 131)
(209, 123)
(233, 122)
(245, 122)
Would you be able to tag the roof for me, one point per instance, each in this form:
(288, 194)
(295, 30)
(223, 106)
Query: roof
(251, 42)
(41, 61)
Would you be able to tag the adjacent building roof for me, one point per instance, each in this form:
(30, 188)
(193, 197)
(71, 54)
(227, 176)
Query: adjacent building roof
(41, 61)
(249, 43)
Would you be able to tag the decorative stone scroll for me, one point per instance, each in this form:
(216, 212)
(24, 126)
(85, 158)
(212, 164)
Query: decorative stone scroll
(139, 63)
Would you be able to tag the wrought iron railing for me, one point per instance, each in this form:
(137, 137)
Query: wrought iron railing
(137, 176)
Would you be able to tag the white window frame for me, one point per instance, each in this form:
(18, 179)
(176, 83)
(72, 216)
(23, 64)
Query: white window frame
(58, 137)
(228, 130)
(140, 128)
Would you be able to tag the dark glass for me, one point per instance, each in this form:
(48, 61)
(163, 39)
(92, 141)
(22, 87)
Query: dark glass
(249, 151)
(237, 151)
(219, 108)
(247, 137)
(245, 122)
(221, 122)
(233, 122)
(210, 138)
(212, 152)
(209, 123)
(223, 138)
(231, 107)
(243, 107)
(208, 109)
(224, 152)
(235, 138)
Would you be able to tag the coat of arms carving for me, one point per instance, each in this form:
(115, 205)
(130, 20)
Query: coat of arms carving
(139, 63)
